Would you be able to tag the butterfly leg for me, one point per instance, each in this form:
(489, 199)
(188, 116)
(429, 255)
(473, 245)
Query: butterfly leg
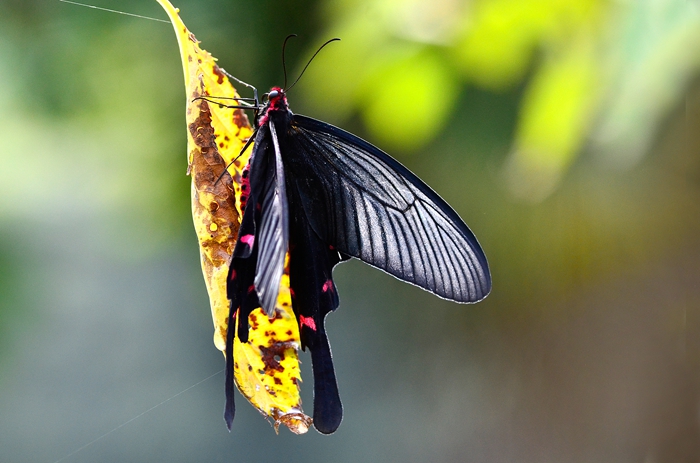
(255, 90)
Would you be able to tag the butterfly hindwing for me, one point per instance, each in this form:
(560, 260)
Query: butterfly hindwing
(314, 295)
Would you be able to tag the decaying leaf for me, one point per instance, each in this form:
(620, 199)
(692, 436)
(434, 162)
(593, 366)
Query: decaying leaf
(266, 368)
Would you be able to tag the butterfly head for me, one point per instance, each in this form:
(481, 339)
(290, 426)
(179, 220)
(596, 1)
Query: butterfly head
(275, 101)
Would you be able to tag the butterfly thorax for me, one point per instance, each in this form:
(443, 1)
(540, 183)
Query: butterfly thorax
(275, 107)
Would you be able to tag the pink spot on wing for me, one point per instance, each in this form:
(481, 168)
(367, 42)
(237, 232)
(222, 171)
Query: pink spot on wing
(328, 285)
(307, 321)
(251, 288)
(248, 239)
(233, 275)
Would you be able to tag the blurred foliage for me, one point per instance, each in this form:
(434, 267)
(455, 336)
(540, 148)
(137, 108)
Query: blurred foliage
(594, 71)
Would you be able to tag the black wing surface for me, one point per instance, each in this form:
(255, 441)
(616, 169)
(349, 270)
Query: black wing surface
(314, 295)
(273, 221)
(367, 205)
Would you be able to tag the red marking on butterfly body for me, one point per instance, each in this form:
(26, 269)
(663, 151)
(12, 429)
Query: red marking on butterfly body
(328, 285)
(245, 185)
(307, 321)
(248, 239)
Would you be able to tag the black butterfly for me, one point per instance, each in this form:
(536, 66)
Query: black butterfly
(325, 196)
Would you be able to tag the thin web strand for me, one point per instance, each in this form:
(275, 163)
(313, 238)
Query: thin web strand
(115, 11)
(137, 416)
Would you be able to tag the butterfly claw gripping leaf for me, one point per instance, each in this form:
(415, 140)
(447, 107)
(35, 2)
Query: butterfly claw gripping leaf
(266, 367)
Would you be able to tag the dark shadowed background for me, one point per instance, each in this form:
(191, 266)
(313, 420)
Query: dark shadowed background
(566, 134)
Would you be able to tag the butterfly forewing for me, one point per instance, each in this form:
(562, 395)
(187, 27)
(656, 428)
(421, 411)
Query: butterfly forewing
(369, 206)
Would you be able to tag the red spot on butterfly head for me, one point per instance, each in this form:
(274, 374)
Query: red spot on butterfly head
(279, 101)
(251, 288)
(307, 321)
(327, 286)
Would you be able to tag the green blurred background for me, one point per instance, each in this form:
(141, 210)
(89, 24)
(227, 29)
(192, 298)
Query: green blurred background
(565, 133)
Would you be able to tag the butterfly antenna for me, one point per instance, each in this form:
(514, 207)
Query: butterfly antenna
(307, 64)
(284, 64)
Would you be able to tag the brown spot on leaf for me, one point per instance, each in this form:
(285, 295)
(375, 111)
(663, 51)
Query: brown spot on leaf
(273, 355)
(253, 320)
(206, 167)
(219, 74)
(240, 118)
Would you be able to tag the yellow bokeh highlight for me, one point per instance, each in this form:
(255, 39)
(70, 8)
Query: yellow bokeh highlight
(400, 86)
(556, 112)
(501, 36)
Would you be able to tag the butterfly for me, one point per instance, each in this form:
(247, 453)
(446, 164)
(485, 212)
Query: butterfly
(318, 195)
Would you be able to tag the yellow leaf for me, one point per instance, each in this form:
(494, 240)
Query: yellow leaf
(266, 368)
